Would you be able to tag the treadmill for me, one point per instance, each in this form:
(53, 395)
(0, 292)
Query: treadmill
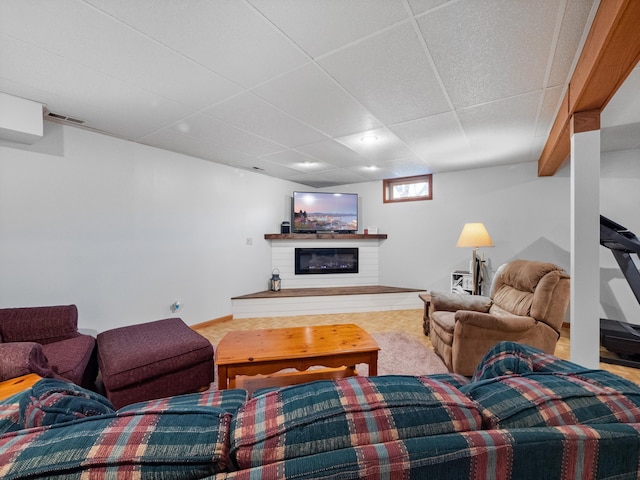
(621, 338)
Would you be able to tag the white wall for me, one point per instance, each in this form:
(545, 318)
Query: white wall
(123, 230)
(527, 217)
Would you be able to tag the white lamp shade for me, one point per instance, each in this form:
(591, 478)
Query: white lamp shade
(474, 235)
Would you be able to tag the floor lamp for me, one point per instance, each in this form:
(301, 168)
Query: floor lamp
(474, 235)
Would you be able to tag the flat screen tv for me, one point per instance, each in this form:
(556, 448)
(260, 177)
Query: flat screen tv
(318, 212)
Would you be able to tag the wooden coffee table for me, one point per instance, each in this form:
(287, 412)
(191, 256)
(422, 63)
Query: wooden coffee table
(264, 352)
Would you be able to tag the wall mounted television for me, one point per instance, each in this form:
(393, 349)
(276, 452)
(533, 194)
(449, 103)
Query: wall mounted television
(318, 212)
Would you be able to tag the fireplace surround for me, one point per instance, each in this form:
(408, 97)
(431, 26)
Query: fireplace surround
(319, 261)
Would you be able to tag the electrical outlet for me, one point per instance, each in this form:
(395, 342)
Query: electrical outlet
(249, 241)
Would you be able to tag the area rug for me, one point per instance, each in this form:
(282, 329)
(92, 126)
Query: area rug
(403, 354)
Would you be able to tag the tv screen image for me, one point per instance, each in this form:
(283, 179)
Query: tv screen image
(315, 212)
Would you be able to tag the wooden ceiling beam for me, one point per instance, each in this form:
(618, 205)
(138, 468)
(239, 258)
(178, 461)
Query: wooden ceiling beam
(611, 51)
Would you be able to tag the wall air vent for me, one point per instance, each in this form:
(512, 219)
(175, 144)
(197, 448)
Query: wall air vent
(63, 118)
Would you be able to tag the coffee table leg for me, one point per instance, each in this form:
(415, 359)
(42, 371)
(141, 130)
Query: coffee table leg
(373, 364)
(222, 377)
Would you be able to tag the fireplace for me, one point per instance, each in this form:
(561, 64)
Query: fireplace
(317, 261)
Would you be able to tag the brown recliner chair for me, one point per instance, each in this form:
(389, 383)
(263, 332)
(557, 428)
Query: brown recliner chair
(528, 303)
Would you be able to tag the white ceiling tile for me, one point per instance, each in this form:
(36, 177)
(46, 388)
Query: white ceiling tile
(491, 49)
(390, 75)
(102, 102)
(576, 16)
(248, 112)
(435, 139)
(550, 105)
(149, 66)
(386, 145)
(174, 141)
(206, 128)
(501, 131)
(265, 167)
(404, 167)
(311, 95)
(224, 36)
(298, 161)
(321, 26)
(421, 6)
(339, 176)
(332, 152)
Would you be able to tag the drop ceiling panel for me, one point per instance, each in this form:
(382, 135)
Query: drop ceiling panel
(310, 95)
(548, 110)
(248, 112)
(403, 167)
(421, 6)
(435, 139)
(298, 161)
(491, 49)
(149, 66)
(322, 26)
(208, 129)
(501, 131)
(385, 147)
(576, 13)
(389, 74)
(227, 37)
(332, 152)
(104, 103)
(175, 141)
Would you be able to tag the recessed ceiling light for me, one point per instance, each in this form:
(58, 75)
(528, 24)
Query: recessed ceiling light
(369, 139)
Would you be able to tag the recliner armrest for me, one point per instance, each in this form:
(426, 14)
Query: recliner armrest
(452, 302)
(487, 321)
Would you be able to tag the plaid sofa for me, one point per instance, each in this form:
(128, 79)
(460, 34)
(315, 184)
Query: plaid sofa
(524, 414)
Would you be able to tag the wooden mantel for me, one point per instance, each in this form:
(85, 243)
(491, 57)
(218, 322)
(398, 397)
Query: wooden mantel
(325, 236)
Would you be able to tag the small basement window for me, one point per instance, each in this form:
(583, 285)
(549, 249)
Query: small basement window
(407, 189)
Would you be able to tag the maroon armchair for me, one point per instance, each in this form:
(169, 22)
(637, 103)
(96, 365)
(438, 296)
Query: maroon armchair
(46, 341)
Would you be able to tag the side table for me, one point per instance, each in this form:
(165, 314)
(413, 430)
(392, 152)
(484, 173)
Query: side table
(426, 298)
(17, 384)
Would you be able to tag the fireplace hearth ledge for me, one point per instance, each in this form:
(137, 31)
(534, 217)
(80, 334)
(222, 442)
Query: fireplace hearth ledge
(324, 300)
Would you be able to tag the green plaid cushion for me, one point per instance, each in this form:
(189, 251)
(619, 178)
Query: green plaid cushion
(227, 400)
(182, 444)
(550, 399)
(10, 414)
(331, 415)
(570, 452)
(52, 401)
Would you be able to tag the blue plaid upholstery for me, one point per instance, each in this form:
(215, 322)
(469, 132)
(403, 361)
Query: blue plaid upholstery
(549, 453)
(508, 358)
(185, 436)
(331, 415)
(53, 401)
(227, 400)
(166, 445)
(548, 391)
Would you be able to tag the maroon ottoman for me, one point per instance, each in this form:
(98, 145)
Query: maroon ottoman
(153, 360)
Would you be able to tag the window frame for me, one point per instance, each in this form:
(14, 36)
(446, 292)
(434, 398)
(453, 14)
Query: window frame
(389, 183)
